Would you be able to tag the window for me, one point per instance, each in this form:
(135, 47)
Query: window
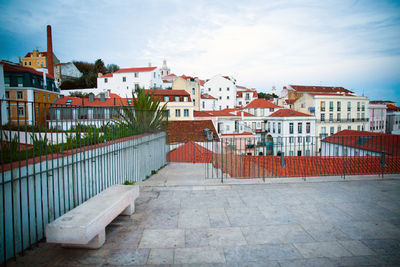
(7, 95)
(7, 81)
(291, 128)
(193, 91)
(299, 139)
(330, 105)
(185, 99)
(220, 89)
(362, 116)
(105, 80)
(358, 116)
(291, 139)
(167, 113)
(271, 109)
(177, 112)
(25, 63)
(358, 128)
(332, 130)
(308, 127)
(247, 97)
(227, 97)
(240, 103)
(308, 152)
(349, 127)
(154, 74)
(20, 95)
(273, 127)
(339, 106)
(176, 98)
(349, 106)
(323, 130)
(129, 101)
(166, 98)
(291, 153)
(358, 106)
(136, 74)
(339, 128)
(186, 113)
(308, 139)
(338, 117)
(69, 101)
(227, 106)
(123, 79)
(348, 116)
(363, 107)
(322, 105)
(322, 116)
(20, 81)
(227, 88)
(300, 127)
(136, 87)
(279, 127)
(203, 104)
(209, 89)
(220, 97)
(30, 63)
(330, 116)
(269, 127)
(21, 111)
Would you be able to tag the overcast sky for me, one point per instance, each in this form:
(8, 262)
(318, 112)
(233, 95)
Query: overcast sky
(354, 44)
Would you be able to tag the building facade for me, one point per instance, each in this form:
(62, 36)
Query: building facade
(377, 117)
(393, 119)
(207, 102)
(190, 85)
(244, 96)
(29, 94)
(37, 60)
(66, 71)
(125, 81)
(223, 88)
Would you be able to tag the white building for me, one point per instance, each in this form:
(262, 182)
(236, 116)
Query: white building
(244, 96)
(124, 81)
(223, 88)
(207, 102)
(66, 71)
(377, 117)
(4, 117)
(291, 132)
(260, 108)
(393, 119)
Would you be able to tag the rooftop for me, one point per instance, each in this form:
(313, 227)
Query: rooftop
(179, 131)
(319, 89)
(288, 113)
(261, 103)
(14, 67)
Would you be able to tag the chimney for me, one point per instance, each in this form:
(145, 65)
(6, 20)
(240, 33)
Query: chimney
(50, 63)
(149, 64)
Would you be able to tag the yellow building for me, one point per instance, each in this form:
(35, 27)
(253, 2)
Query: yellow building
(37, 60)
(190, 85)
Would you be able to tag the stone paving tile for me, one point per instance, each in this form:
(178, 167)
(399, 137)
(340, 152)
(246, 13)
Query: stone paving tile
(359, 261)
(224, 237)
(314, 262)
(193, 218)
(127, 257)
(161, 219)
(161, 256)
(325, 232)
(322, 249)
(383, 246)
(199, 255)
(259, 254)
(276, 234)
(356, 248)
(278, 215)
(218, 217)
(245, 217)
(370, 230)
(165, 238)
(196, 237)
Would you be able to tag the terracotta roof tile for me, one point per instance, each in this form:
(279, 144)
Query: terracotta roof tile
(190, 152)
(207, 96)
(184, 131)
(8, 67)
(319, 89)
(261, 103)
(392, 108)
(288, 113)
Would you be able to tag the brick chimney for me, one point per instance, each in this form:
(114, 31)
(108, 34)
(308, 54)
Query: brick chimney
(50, 63)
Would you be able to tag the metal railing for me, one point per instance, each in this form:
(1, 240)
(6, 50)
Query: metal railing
(52, 162)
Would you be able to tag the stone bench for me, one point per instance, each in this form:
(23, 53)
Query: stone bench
(84, 226)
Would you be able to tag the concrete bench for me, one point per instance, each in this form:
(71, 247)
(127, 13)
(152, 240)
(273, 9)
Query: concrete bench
(84, 226)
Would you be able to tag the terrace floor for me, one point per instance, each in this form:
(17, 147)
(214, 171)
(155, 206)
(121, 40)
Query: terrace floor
(183, 219)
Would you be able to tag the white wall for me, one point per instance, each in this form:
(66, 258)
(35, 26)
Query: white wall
(377, 118)
(329, 149)
(218, 86)
(208, 104)
(4, 117)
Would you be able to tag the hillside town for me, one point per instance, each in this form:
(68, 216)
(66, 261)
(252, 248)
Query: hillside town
(296, 113)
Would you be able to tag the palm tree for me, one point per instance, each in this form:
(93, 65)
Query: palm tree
(143, 114)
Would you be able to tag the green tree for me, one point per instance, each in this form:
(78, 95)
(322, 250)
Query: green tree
(266, 95)
(112, 68)
(99, 66)
(144, 114)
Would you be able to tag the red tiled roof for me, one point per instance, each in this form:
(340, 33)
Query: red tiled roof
(331, 94)
(222, 113)
(202, 82)
(140, 69)
(392, 108)
(207, 96)
(285, 112)
(290, 101)
(77, 101)
(319, 89)
(184, 131)
(240, 93)
(261, 103)
(190, 152)
(8, 67)
(370, 141)
(44, 54)
(241, 87)
(112, 95)
(160, 93)
(107, 75)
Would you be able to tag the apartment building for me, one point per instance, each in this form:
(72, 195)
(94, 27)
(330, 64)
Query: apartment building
(124, 81)
(334, 108)
(223, 88)
(179, 103)
(377, 117)
(291, 132)
(245, 96)
(29, 94)
(192, 86)
(393, 119)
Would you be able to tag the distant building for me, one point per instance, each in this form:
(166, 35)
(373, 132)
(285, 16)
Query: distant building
(223, 88)
(37, 60)
(376, 117)
(3, 104)
(168, 80)
(207, 102)
(393, 119)
(165, 71)
(124, 81)
(291, 132)
(66, 71)
(190, 85)
(359, 143)
(244, 96)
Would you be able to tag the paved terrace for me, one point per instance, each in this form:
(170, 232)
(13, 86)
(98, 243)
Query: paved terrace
(333, 223)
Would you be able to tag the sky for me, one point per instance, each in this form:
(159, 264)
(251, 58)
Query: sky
(353, 44)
